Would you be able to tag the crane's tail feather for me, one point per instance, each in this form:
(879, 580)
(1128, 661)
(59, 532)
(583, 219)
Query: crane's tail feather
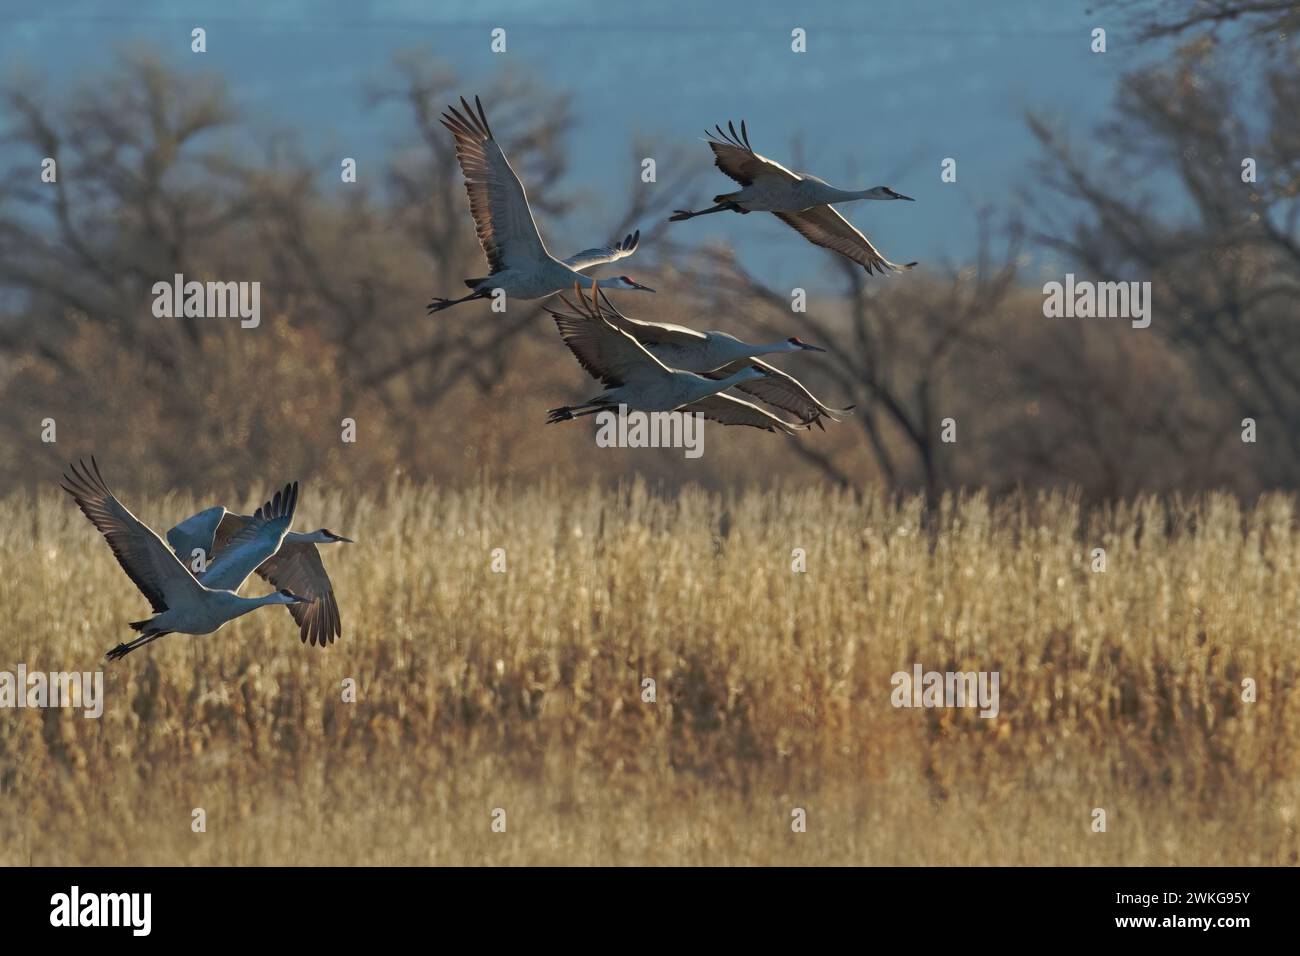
(834, 413)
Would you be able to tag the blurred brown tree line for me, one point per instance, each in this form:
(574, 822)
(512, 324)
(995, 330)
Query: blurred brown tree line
(156, 176)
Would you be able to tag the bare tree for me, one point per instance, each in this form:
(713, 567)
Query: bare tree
(1176, 18)
(155, 176)
(891, 349)
(1225, 268)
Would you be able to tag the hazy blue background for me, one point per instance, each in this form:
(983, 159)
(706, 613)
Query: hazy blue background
(884, 93)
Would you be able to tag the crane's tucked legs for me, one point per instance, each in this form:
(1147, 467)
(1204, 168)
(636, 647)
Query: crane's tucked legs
(567, 413)
(680, 214)
(437, 305)
(122, 650)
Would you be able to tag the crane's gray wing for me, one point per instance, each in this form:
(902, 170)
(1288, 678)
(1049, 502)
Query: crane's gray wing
(602, 254)
(607, 353)
(735, 411)
(734, 156)
(824, 226)
(197, 532)
(241, 552)
(503, 219)
(298, 568)
(145, 558)
(781, 391)
(649, 333)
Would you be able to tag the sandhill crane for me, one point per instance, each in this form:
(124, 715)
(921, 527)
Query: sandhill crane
(180, 603)
(691, 351)
(797, 199)
(521, 266)
(296, 565)
(635, 378)
(717, 355)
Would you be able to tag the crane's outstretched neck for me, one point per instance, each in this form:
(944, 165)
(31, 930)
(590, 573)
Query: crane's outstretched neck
(319, 536)
(850, 195)
(247, 604)
(746, 374)
(834, 195)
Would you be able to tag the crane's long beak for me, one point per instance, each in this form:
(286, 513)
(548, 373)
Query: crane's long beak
(643, 288)
(348, 540)
(811, 348)
(901, 196)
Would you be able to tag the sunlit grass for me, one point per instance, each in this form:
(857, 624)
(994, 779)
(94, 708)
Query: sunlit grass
(523, 690)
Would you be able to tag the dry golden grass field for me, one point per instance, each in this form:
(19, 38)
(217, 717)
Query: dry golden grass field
(521, 690)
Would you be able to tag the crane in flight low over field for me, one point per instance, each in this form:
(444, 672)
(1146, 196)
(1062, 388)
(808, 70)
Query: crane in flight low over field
(632, 376)
(182, 604)
(718, 354)
(296, 566)
(520, 265)
(801, 201)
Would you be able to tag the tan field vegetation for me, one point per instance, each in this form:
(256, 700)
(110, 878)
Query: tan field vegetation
(522, 690)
